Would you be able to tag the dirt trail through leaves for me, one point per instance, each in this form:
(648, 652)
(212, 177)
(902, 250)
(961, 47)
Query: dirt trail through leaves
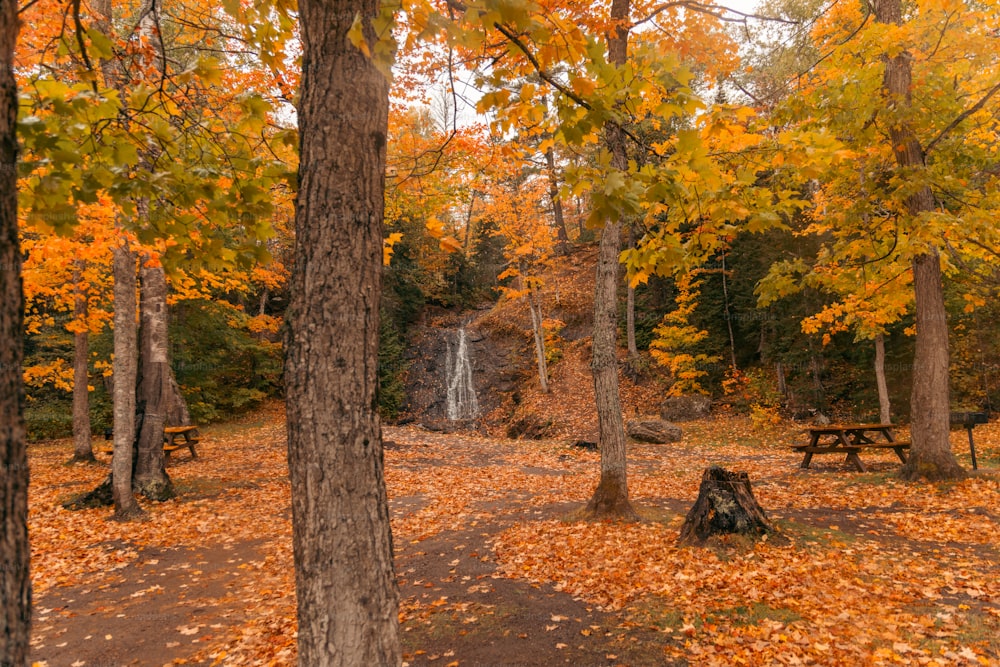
(492, 573)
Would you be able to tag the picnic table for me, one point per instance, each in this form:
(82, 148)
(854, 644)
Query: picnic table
(188, 439)
(850, 439)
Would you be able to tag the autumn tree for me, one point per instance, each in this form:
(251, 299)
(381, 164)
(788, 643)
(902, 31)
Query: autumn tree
(916, 198)
(345, 582)
(514, 204)
(141, 102)
(15, 584)
(931, 454)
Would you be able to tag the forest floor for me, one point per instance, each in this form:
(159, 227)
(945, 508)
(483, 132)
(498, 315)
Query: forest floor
(493, 572)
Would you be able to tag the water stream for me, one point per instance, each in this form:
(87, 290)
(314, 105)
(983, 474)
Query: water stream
(460, 399)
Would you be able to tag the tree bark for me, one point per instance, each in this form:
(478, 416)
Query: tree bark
(539, 334)
(344, 574)
(611, 496)
(884, 411)
(154, 390)
(633, 348)
(177, 407)
(562, 236)
(124, 369)
(83, 452)
(729, 319)
(725, 505)
(930, 453)
(15, 583)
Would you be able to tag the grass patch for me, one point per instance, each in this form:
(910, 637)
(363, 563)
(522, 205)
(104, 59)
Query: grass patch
(752, 614)
(806, 536)
(196, 488)
(973, 627)
(655, 613)
(869, 479)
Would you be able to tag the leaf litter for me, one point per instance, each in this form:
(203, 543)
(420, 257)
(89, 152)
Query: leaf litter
(876, 572)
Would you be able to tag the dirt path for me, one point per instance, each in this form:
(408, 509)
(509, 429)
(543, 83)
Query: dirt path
(228, 598)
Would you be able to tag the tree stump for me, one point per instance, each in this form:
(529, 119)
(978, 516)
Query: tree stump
(725, 505)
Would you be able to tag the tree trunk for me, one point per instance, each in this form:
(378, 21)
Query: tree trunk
(884, 411)
(633, 348)
(539, 334)
(562, 236)
(15, 583)
(344, 575)
(177, 408)
(725, 505)
(124, 369)
(930, 454)
(729, 319)
(819, 397)
(83, 452)
(611, 496)
(154, 390)
(468, 223)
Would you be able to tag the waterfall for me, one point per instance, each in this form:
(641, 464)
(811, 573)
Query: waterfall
(461, 400)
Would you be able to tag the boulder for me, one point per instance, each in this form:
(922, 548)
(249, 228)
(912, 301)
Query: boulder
(685, 408)
(529, 427)
(656, 431)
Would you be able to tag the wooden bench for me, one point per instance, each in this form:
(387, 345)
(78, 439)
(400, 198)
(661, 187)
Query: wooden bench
(850, 439)
(170, 442)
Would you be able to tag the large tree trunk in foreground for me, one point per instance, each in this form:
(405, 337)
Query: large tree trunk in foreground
(15, 584)
(725, 506)
(930, 454)
(611, 496)
(155, 392)
(83, 451)
(124, 370)
(344, 575)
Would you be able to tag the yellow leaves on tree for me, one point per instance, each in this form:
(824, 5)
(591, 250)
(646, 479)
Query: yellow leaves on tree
(675, 341)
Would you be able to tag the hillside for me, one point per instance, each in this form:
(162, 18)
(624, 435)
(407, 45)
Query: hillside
(505, 373)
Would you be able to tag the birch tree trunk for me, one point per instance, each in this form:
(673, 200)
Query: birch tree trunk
(539, 334)
(930, 453)
(344, 576)
(83, 451)
(15, 583)
(611, 496)
(884, 411)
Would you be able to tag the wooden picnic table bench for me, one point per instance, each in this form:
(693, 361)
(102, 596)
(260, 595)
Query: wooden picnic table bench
(850, 439)
(170, 444)
(188, 433)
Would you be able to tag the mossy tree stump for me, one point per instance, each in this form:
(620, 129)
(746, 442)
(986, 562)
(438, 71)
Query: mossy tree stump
(725, 505)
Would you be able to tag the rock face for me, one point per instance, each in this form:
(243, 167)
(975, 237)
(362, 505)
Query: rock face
(685, 408)
(656, 431)
(493, 374)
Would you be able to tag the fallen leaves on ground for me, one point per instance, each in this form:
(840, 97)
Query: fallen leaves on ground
(877, 571)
